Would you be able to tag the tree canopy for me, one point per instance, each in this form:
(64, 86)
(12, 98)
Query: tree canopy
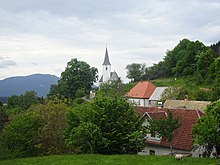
(165, 127)
(77, 77)
(207, 131)
(105, 126)
(135, 71)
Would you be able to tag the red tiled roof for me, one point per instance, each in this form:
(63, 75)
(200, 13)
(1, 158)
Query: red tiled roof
(143, 89)
(157, 115)
(182, 136)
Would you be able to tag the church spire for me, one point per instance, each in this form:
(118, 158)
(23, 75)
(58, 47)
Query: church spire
(106, 60)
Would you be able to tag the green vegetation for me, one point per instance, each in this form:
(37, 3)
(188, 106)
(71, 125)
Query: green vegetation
(108, 160)
(192, 65)
(207, 131)
(105, 126)
(75, 81)
(165, 127)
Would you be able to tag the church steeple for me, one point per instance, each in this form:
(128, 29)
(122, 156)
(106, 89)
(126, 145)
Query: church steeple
(106, 60)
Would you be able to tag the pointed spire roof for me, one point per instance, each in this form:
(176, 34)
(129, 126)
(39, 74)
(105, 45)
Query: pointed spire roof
(106, 60)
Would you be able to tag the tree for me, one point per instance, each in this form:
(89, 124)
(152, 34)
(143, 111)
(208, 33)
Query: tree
(24, 101)
(106, 126)
(135, 71)
(50, 139)
(77, 75)
(18, 136)
(174, 93)
(165, 127)
(38, 131)
(205, 59)
(207, 131)
(3, 117)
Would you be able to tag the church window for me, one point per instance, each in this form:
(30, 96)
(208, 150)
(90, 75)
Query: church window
(106, 68)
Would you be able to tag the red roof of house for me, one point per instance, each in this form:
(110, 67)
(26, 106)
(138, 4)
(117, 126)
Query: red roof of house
(143, 89)
(182, 136)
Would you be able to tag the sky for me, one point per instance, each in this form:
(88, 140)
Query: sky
(41, 36)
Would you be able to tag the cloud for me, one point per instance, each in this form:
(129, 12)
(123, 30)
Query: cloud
(50, 33)
(5, 62)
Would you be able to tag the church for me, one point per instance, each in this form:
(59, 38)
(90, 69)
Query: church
(107, 75)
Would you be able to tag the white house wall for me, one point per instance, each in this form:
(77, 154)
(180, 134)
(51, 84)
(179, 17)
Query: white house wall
(140, 102)
(161, 150)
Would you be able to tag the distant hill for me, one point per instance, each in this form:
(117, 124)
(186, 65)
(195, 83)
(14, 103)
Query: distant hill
(39, 83)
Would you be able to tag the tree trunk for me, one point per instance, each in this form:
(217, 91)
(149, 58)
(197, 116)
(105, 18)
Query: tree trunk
(171, 149)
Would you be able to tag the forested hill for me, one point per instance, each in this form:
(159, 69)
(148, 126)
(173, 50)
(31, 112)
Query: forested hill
(189, 59)
(216, 48)
(39, 83)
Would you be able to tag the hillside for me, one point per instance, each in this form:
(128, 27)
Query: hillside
(39, 83)
(108, 159)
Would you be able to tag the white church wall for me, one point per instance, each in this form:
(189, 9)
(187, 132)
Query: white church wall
(106, 72)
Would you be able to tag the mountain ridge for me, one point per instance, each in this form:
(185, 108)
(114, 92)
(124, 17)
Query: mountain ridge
(17, 85)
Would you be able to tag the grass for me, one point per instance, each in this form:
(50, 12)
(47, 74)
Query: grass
(107, 160)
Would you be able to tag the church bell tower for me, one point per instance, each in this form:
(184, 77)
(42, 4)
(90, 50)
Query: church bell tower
(106, 67)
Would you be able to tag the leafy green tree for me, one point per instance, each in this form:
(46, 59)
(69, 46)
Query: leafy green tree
(24, 101)
(110, 126)
(50, 138)
(18, 136)
(207, 131)
(205, 59)
(87, 136)
(3, 117)
(165, 127)
(77, 75)
(135, 71)
(174, 93)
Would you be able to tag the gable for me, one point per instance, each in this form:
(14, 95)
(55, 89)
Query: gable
(182, 136)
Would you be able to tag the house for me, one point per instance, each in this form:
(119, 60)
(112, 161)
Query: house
(145, 94)
(182, 137)
(141, 93)
(155, 98)
(186, 104)
(107, 75)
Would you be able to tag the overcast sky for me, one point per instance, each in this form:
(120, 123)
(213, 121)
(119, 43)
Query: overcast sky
(41, 36)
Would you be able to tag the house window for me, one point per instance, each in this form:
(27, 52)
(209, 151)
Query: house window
(152, 152)
(139, 102)
(153, 134)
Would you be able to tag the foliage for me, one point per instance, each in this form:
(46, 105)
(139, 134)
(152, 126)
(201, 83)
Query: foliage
(77, 75)
(114, 88)
(3, 117)
(23, 101)
(135, 71)
(107, 126)
(50, 138)
(18, 136)
(165, 127)
(37, 131)
(207, 131)
(174, 93)
(216, 48)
